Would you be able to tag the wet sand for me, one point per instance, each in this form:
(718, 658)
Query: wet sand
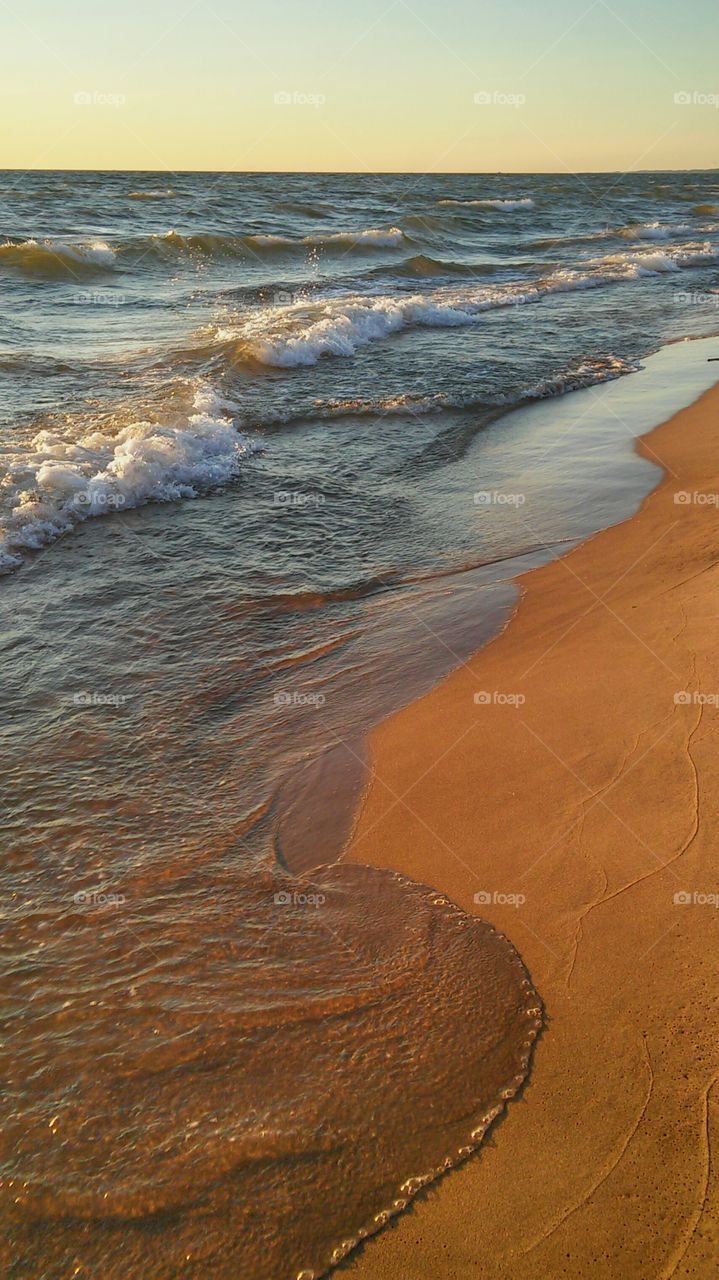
(583, 812)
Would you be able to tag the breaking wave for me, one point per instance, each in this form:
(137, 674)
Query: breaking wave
(59, 479)
(305, 331)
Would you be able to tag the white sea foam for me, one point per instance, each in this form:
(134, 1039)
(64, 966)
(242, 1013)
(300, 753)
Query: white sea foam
(634, 232)
(303, 332)
(371, 237)
(57, 480)
(160, 193)
(652, 231)
(526, 202)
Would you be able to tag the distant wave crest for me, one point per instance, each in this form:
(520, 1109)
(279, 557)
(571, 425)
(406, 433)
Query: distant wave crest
(57, 257)
(525, 202)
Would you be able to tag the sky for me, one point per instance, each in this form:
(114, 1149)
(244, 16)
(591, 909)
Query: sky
(376, 85)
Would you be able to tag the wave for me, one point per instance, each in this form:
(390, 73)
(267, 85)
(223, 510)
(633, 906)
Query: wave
(632, 231)
(158, 194)
(305, 331)
(526, 202)
(207, 244)
(422, 265)
(579, 373)
(302, 208)
(57, 481)
(57, 258)
(428, 222)
(651, 231)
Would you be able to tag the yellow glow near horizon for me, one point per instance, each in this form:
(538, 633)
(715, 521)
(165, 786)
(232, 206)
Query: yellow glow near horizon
(360, 88)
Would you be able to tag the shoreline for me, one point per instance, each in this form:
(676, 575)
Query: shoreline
(480, 599)
(607, 1169)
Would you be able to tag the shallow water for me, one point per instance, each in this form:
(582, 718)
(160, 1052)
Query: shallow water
(187, 684)
(267, 1065)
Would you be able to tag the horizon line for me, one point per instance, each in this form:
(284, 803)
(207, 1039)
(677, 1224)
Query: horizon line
(368, 173)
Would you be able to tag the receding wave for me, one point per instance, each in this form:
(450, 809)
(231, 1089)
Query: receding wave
(578, 374)
(57, 480)
(304, 332)
(354, 1039)
(57, 258)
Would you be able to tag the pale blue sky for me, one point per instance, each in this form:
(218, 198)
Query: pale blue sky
(156, 84)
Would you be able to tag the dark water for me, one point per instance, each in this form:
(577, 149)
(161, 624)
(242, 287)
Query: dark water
(243, 421)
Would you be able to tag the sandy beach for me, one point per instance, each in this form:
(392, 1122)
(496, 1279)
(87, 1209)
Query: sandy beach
(359, 748)
(573, 804)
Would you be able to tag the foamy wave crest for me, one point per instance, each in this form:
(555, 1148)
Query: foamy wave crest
(57, 257)
(56, 481)
(652, 231)
(655, 262)
(159, 194)
(370, 238)
(634, 231)
(300, 335)
(304, 332)
(526, 202)
(581, 374)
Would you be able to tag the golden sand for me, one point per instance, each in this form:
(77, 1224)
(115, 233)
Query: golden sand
(596, 800)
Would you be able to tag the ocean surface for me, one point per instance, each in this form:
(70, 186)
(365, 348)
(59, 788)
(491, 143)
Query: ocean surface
(271, 453)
